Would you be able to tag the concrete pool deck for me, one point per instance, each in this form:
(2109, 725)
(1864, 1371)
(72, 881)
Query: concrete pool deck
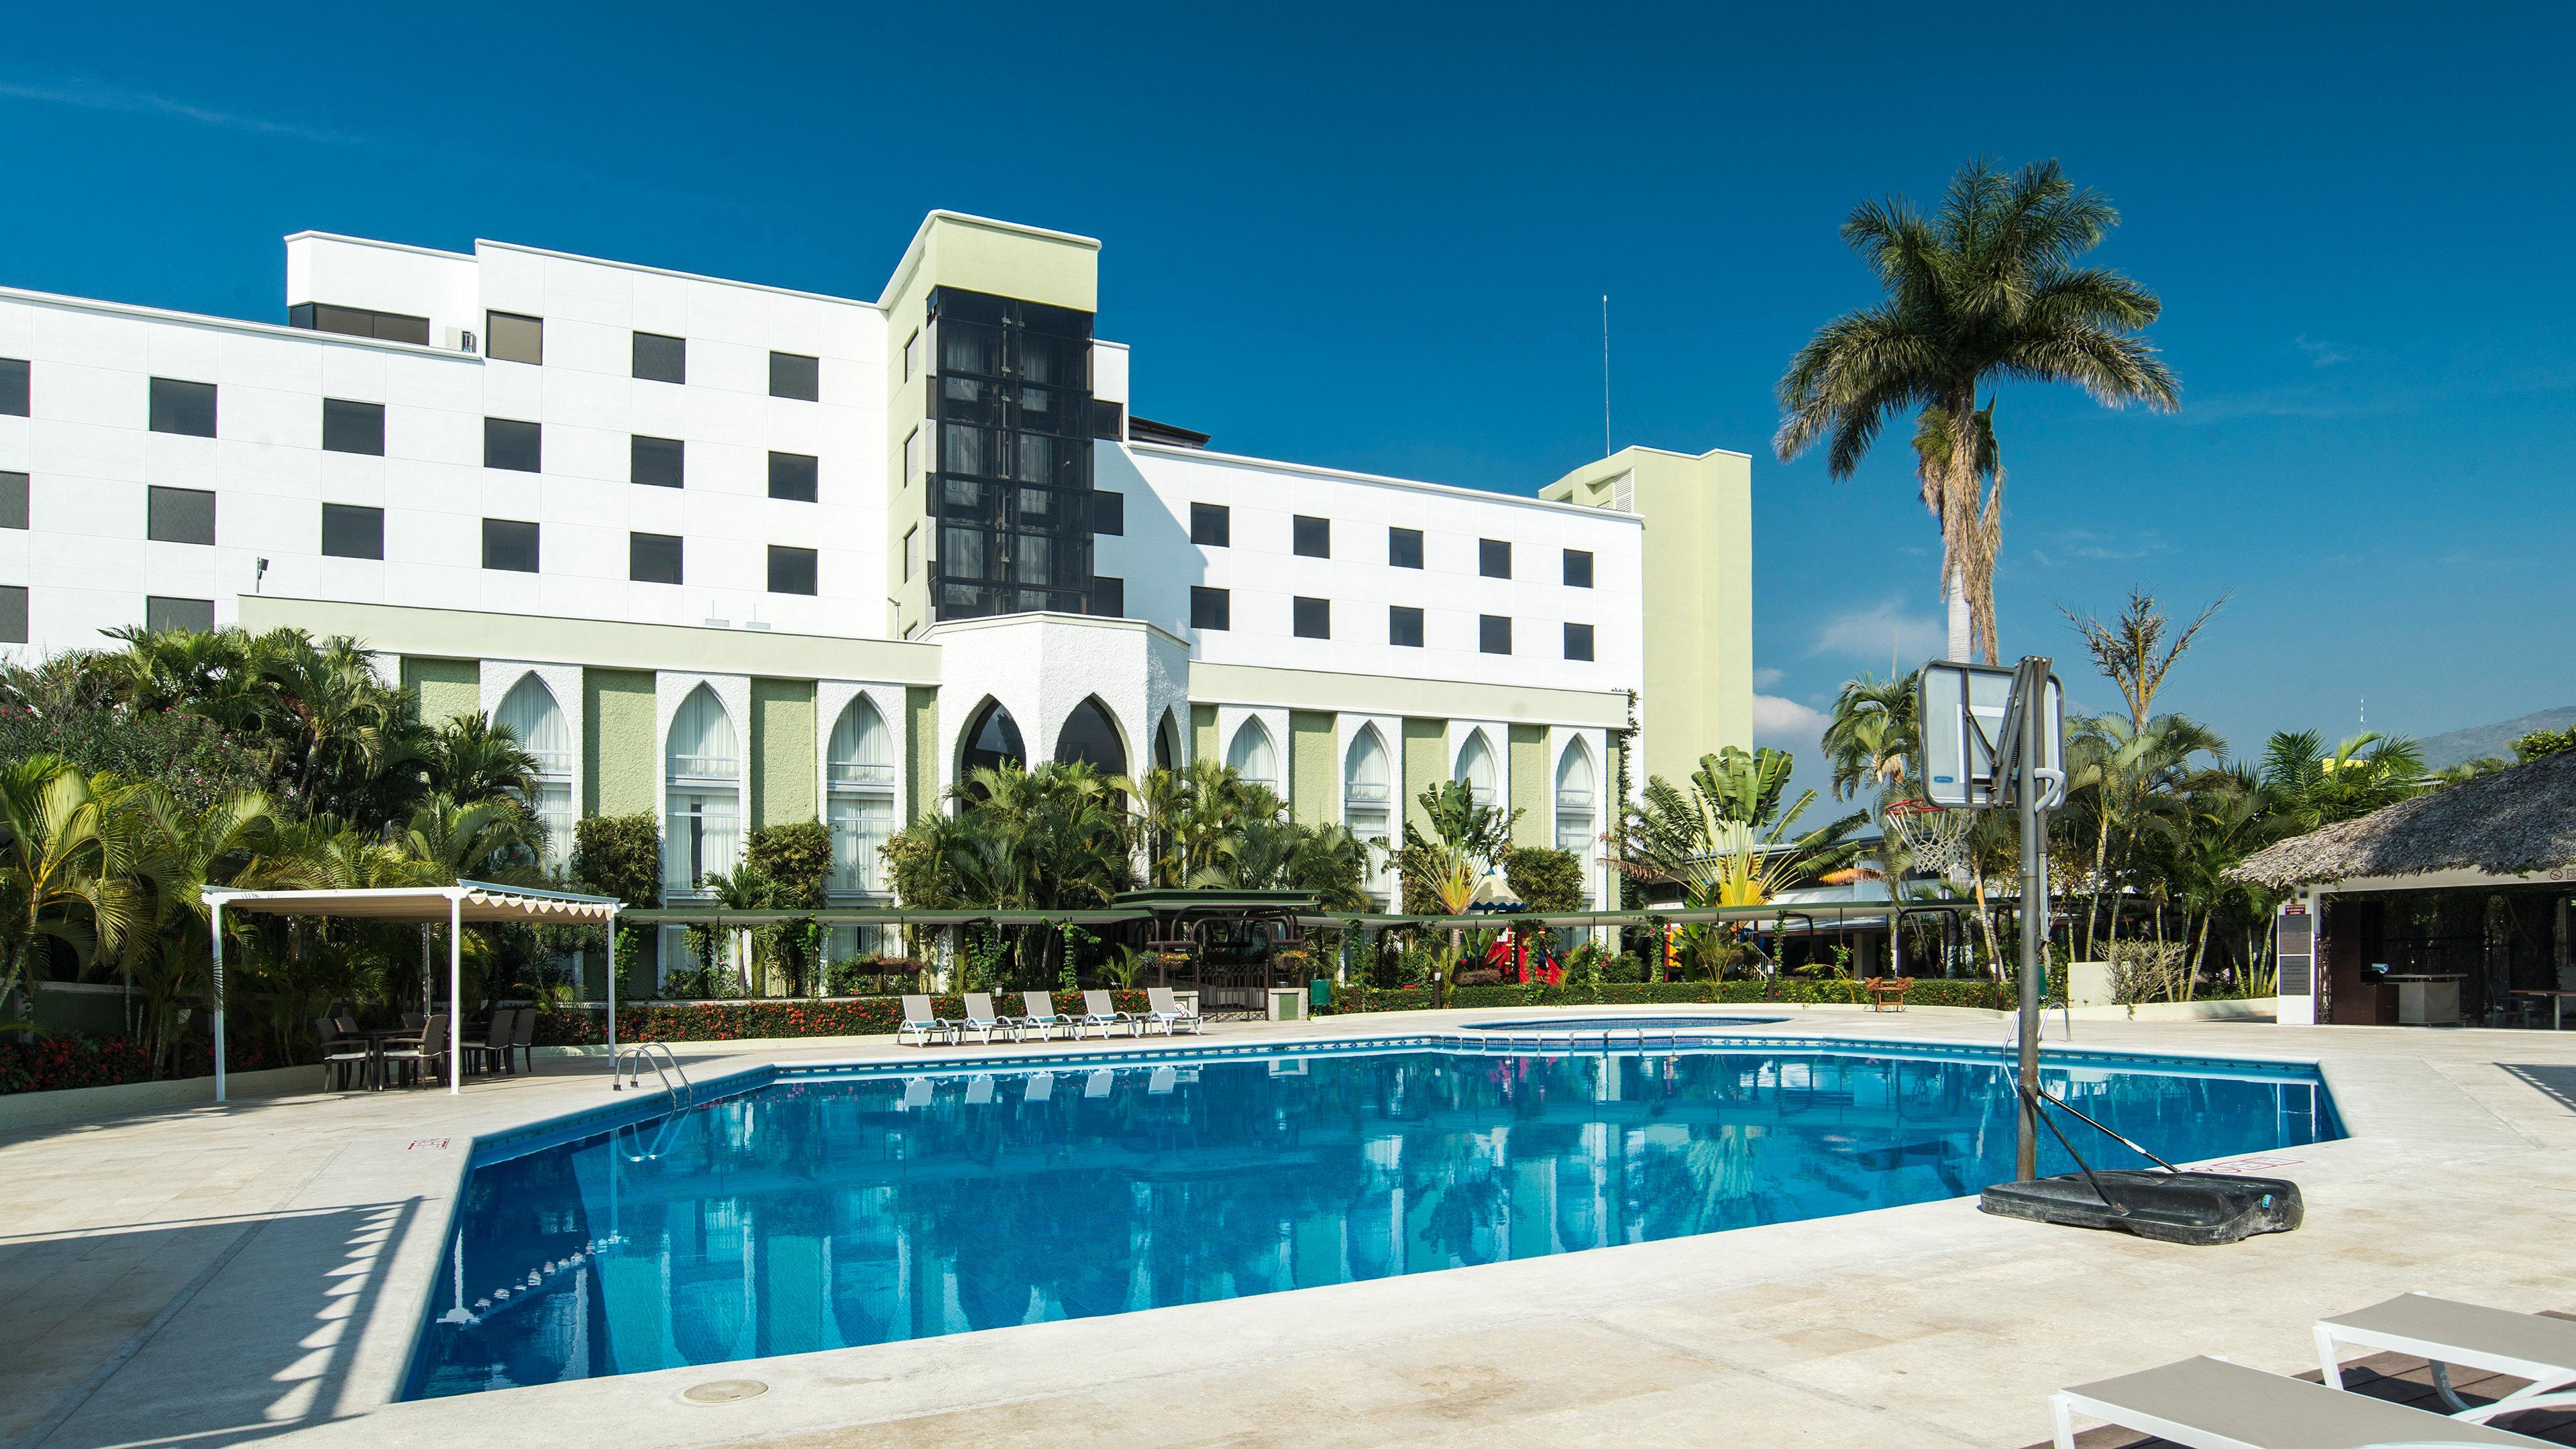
(218, 1275)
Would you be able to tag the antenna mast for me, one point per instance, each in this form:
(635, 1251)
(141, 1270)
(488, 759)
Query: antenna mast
(1605, 374)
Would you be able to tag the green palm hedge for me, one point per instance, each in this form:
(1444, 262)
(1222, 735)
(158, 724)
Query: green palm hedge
(785, 1017)
(1787, 991)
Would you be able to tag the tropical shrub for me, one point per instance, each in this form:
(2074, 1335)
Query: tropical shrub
(1547, 880)
(619, 855)
(756, 1020)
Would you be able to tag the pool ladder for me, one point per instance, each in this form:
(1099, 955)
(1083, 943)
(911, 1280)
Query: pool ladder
(628, 1070)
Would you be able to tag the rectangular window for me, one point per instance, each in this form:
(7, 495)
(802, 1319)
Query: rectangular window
(911, 550)
(1578, 569)
(1314, 537)
(912, 355)
(13, 613)
(793, 476)
(179, 515)
(359, 322)
(509, 544)
(656, 462)
(1212, 525)
(661, 359)
(517, 446)
(1109, 598)
(1109, 513)
(1578, 641)
(1404, 548)
(13, 503)
(653, 558)
(1404, 627)
(1494, 558)
(183, 407)
(195, 615)
(1493, 634)
(1211, 608)
(353, 427)
(792, 570)
(509, 337)
(352, 531)
(1313, 618)
(13, 391)
(912, 457)
(797, 376)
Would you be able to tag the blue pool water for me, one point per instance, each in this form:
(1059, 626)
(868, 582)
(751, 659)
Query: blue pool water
(834, 1209)
(1656, 1026)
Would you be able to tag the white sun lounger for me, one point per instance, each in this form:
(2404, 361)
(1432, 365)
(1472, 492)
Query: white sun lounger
(2524, 1345)
(1100, 1011)
(1167, 1013)
(2209, 1403)
(980, 1017)
(918, 1017)
(1040, 1014)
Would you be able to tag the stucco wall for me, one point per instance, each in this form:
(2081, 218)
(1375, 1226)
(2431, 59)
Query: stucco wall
(620, 765)
(921, 743)
(783, 750)
(1204, 743)
(1533, 775)
(1426, 763)
(1314, 768)
(445, 688)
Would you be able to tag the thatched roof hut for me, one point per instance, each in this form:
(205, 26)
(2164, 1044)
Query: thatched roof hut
(2508, 823)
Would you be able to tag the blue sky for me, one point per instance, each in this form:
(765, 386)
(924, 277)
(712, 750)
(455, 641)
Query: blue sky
(1376, 238)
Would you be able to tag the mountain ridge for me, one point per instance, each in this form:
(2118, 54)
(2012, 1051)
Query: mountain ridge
(2479, 741)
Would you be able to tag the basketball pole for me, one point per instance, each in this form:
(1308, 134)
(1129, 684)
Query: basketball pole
(2030, 759)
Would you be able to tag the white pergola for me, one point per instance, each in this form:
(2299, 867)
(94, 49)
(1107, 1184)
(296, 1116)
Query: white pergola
(467, 900)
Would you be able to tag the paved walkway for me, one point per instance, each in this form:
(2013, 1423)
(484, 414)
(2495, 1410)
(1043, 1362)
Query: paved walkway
(214, 1275)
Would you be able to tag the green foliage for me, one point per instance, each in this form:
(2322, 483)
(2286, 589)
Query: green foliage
(1548, 881)
(620, 856)
(188, 754)
(1726, 841)
(2541, 744)
(796, 859)
(2311, 786)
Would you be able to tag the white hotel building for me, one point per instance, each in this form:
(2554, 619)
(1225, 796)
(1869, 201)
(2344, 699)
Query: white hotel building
(742, 555)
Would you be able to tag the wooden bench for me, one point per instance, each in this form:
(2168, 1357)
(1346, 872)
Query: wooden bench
(1887, 993)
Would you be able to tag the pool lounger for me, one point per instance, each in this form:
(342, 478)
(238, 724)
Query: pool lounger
(2523, 1345)
(2209, 1403)
(1100, 1010)
(1039, 1015)
(981, 1017)
(918, 1017)
(1167, 1012)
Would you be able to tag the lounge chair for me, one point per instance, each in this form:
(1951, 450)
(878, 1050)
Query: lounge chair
(2524, 1345)
(1039, 1015)
(1165, 1011)
(918, 1017)
(1099, 1010)
(2209, 1403)
(982, 1018)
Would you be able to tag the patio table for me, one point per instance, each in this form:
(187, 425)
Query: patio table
(2557, 1005)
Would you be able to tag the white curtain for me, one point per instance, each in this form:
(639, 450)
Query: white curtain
(529, 712)
(702, 765)
(1574, 801)
(1253, 756)
(1476, 769)
(859, 769)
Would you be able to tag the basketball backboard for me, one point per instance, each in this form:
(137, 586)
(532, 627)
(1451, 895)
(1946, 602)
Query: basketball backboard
(1962, 711)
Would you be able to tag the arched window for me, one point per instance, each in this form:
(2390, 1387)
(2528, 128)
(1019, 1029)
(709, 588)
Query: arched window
(529, 712)
(1253, 756)
(1476, 770)
(1575, 789)
(858, 773)
(1090, 735)
(1167, 749)
(1367, 793)
(991, 738)
(702, 774)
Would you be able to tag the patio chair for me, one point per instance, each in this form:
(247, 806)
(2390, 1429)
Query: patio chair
(412, 1054)
(983, 1019)
(523, 1038)
(1165, 1010)
(2209, 1403)
(918, 1017)
(2442, 1332)
(492, 1053)
(345, 1055)
(1039, 1013)
(1100, 1010)
(412, 1020)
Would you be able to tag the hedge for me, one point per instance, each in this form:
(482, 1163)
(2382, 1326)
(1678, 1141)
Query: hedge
(768, 1019)
(55, 1062)
(1790, 991)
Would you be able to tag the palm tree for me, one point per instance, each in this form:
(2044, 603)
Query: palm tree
(2309, 786)
(167, 954)
(64, 854)
(1989, 290)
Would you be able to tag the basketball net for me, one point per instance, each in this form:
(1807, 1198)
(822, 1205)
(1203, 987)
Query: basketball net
(1933, 839)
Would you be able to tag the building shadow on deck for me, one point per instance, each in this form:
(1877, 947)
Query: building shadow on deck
(2557, 1083)
(260, 1338)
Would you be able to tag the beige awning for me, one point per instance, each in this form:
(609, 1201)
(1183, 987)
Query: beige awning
(474, 901)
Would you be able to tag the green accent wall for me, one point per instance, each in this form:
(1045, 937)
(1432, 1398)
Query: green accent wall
(444, 688)
(921, 737)
(1205, 744)
(1532, 783)
(620, 764)
(782, 752)
(1426, 763)
(1314, 776)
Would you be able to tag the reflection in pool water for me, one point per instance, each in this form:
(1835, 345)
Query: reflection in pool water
(835, 1211)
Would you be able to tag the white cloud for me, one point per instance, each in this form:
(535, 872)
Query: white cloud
(90, 95)
(1874, 634)
(1765, 678)
(1785, 722)
(2321, 353)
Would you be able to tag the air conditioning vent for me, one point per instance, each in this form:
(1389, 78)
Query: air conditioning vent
(459, 340)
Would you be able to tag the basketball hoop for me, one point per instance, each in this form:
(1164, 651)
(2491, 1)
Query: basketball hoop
(1933, 838)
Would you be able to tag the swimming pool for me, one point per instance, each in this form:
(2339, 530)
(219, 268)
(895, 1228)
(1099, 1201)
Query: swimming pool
(1656, 1027)
(842, 1207)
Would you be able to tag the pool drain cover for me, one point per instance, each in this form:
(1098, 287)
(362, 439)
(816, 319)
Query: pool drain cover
(725, 1391)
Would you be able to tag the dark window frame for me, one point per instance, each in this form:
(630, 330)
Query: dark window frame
(500, 440)
(160, 606)
(1208, 604)
(1108, 513)
(1486, 633)
(809, 560)
(534, 539)
(801, 481)
(354, 427)
(664, 365)
(492, 333)
(1494, 558)
(342, 321)
(13, 613)
(1310, 618)
(1403, 619)
(1212, 525)
(174, 406)
(649, 456)
(649, 555)
(1582, 635)
(1571, 581)
(364, 520)
(168, 513)
(17, 389)
(17, 502)
(1108, 598)
(1305, 529)
(811, 382)
(1404, 548)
